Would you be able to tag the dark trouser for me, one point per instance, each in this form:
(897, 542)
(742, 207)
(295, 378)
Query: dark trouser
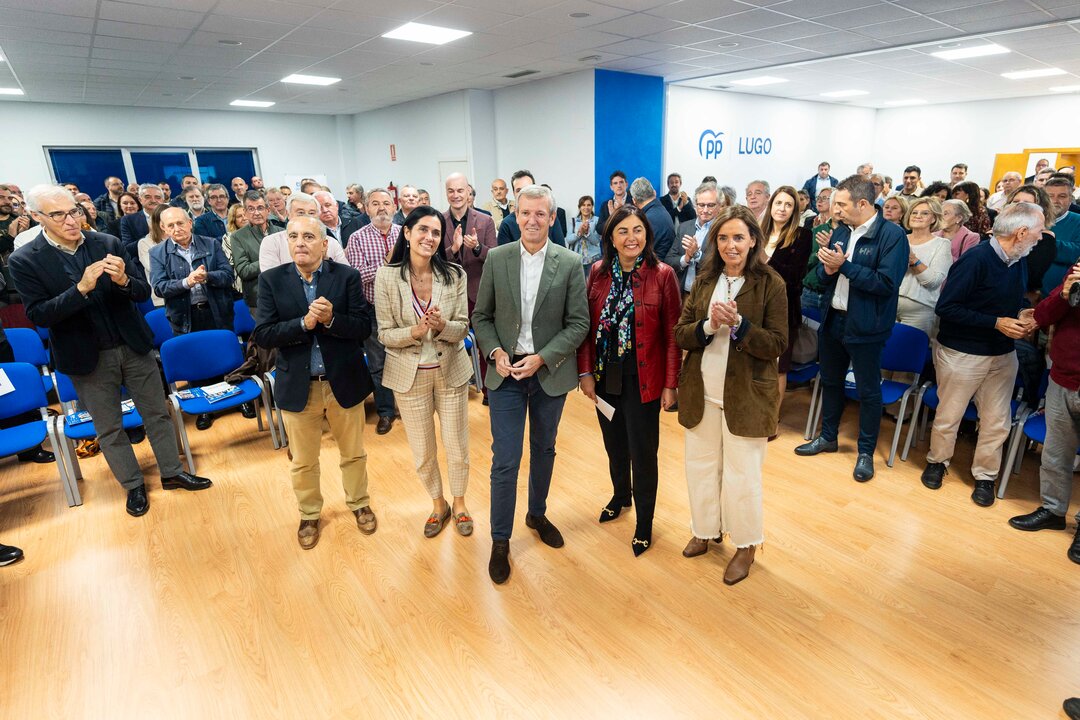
(632, 438)
(376, 358)
(865, 359)
(509, 406)
(99, 393)
(1059, 451)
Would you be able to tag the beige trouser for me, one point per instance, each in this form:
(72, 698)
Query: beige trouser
(723, 474)
(304, 429)
(428, 395)
(989, 379)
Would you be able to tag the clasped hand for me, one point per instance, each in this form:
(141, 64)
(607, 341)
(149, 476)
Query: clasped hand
(432, 320)
(111, 265)
(724, 313)
(523, 368)
(320, 310)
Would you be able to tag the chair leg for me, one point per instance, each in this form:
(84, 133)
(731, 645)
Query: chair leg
(1015, 448)
(181, 431)
(899, 427)
(810, 411)
(67, 474)
(913, 423)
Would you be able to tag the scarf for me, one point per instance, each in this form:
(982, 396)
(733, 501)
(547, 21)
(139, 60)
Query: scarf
(613, 333)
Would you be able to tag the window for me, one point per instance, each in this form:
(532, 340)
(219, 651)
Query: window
(221, 166)
(87, 168)
(157, 166)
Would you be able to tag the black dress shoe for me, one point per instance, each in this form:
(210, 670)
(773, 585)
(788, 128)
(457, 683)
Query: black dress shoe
(385, 423)
(549, 534)
(642, 541)
(9, 554)
(136, 435)
(185, 481)
(248, 410)
(817, 445)
(612, 510)
(484, 402)
(499, 564)
(1041, 519)
(38, 455)
(204, 421)
(932, 475)
(864, 467)
(137, 502)
(983, 495)
(1072, 708)
(1074, 549)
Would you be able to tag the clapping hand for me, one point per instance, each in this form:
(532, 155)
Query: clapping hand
(470, 240)
(690, 247)
(90, 277)
(197, 276)
(723, 313)
(831, 259)
(323, 310)
(823, 237)
(114, 268)
(434, 319)
(455, 245)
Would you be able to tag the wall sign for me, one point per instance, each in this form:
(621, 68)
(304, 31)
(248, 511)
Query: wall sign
(711, 145)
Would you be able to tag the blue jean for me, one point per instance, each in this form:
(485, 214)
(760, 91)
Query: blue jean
(508, 408)
(376, 358)
(835, 355)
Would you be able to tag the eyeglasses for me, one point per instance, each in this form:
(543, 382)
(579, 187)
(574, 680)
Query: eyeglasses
(219, 197)
(59, 216)
(707, 206)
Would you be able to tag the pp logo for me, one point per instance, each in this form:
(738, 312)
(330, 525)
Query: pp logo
(710, 145)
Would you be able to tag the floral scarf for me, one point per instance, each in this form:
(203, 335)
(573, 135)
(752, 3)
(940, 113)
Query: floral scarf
(616, 319)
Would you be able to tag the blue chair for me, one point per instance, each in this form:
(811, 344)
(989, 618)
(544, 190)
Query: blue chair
(474, 353)
(198, 355)
(67, 434)
(802, 373)
(159, 325)
(43, 333)
(27, 347)
(28, 395)
(146, 306)
(905, 352)
(243, 323)
(1031, 428)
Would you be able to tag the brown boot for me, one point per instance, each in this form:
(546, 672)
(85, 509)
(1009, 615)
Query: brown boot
(308, 534)
(695, 547)
(739, 567)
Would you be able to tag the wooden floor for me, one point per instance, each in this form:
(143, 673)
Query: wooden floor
(883, 600)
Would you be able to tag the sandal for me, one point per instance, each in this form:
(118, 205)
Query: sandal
(464, 524)
(435, 523)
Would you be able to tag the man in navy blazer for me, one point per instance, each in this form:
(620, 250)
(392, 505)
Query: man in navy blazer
(314, 312)
(819, 181)
(135, 227)
(861, 270)
(84, 287)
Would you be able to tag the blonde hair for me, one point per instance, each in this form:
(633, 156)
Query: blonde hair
(935, 208)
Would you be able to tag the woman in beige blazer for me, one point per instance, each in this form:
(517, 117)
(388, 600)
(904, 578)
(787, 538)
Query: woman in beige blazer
(421, 302)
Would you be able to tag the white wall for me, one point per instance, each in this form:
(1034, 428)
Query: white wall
(803, 134)
(937, 136)
(281, 152)
(546, 126)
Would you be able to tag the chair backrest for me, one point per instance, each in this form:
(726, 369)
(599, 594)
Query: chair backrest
(65, 390)
(27, 346)
(146, 306)
(29, 393)
(200, 355)
(43, 333)
(812, 313)
(905, 350)
(243, 323)
(159, 325)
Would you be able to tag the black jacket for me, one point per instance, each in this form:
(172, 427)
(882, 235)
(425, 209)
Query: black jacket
(282, 305)
(52, 301)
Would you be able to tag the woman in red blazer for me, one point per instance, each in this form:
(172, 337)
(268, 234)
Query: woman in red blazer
(630, 360)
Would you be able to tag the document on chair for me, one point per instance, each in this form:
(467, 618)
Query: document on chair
(605, 407)
(6, 385)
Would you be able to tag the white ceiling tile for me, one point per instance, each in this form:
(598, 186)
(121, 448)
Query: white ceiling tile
(45, 36)
(820, 10)
(403, 10)
(46, 21)
(530, 29)
(915, 24)
(597, 13)
(465, 18)
(143, 15)
(636, 25)
(242, 28)
(628, 64)
(748, 21)
(635, 47)
(873, 15)
(677, 54)
(697, 11)
(837, 43)
(73, 8)
(131, 30)
(790, 31)
(638, 5)
(687, 35)
(286, 13)
(584, 40)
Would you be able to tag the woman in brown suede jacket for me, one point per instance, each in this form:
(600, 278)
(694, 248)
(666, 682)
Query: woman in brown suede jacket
(734, 326)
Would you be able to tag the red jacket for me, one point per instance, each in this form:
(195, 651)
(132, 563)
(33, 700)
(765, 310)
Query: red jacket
(1065, 347)
(657, 305)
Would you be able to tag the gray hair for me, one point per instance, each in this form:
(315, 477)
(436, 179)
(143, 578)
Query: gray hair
(641, 190)
(299, 197)
(216, 186)
(44, 192)
(1015, 216)
(355, 186)
(824, 190)
(536, 192)
(763, 183)
(319, 225)
(148, 186)
(730, 195)
(376, 191)
(324, 191)
(706, 187)
(960, 208)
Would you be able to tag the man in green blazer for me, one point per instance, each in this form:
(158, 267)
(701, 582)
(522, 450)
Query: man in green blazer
(246, 242)
(530, 317)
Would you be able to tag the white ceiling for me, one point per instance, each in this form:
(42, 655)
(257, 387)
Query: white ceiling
(135, 52)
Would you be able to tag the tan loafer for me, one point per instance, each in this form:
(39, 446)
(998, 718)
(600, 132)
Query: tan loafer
(464, 524)
(695, 547)
(739, 567)
(365, 520)
(436, 522)
(308, 534)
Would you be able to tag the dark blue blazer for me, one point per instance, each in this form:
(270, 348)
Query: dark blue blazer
(810, 186)
(662, 227)
(282, 305)
(510, 232)
(52, 301)
(168, 270)
(133, 228)
(874, 274)
(209, 225)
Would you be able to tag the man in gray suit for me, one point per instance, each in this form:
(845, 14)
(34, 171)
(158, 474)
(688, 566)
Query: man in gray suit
(530, 317)
(686, 254)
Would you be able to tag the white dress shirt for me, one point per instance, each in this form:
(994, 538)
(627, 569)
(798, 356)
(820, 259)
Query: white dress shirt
(843, 285)
(532, 268)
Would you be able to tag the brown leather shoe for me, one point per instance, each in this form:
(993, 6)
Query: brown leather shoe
(308, 534)
(385, 423)
(695, 547)
(365, 520)
(739, 567)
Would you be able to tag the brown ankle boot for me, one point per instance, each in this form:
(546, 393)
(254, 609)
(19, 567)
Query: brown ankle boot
(695, 547)
(739, 567)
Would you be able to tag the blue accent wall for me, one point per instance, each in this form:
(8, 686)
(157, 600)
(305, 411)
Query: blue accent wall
(629, 129)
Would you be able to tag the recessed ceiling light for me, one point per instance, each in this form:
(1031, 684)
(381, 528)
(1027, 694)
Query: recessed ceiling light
(949, 46)
(186, 77)
(589, 58)
(431, 34)
(971, 52)
(728, 44)
(902, 103)
(844, 93)
(2, 59)
(760, 80)
(427, 64)
(11, 91)
(310, 80)
(232, 43)
(579, 15)
(166, 94)
(1038, 73)
(1065, 88)
(251, 103)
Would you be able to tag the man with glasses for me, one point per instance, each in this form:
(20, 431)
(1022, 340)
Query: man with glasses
(686, 256)
(245, 244)
(84, 287)
(878, 181)
(212, 224)
(136, 226)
